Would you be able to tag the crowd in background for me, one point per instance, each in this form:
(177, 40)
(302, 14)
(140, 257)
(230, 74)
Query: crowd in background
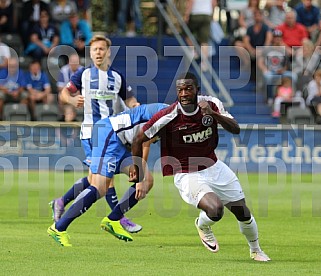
(283, 41)
(288, 75)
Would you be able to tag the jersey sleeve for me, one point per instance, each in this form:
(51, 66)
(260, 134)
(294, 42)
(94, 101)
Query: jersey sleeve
(159, 120)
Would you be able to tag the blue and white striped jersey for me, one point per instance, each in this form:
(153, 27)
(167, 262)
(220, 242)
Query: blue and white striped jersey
(128, 123)
(104, 92)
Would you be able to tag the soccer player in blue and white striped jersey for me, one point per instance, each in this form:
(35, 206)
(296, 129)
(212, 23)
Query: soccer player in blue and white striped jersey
(101, 91)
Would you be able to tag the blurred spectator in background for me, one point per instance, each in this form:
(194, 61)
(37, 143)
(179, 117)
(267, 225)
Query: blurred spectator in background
(83, 7)
(30, 14)
(44, 37)
(67, 71)
(246, 19)
(258, 34)
(309, 16)
(293, 32)
(285, 93)
(198, 16)
(314, 95)
(4, 55)
(274, 62)
(305, 62)
(12, 85)
(38, 86)
(6, 16)
(131, 7)
(276, 13)
(76, 33)
(69, 114)
(61, 10)
(68, 134)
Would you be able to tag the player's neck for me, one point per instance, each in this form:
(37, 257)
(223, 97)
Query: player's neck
(189, 108)
(104, 66)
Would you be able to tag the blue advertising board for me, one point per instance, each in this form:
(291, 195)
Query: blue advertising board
(258, 148)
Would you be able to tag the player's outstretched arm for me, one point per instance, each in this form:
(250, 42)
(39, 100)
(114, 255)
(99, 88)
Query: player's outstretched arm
(227, 123)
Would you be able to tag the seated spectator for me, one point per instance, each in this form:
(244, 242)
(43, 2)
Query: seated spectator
(12, 85)
(305, 62)
(61, 10)
(276, 13)
(274, 64)
(293, 32)
(75, 33)
(309, 16)
(38, 86)
(314, 95)
(67, 71)
(44, 37)
(4, 55)
(285, 93)
(30, 15)
(6, 16)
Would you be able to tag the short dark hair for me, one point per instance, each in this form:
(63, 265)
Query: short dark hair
(188, 75)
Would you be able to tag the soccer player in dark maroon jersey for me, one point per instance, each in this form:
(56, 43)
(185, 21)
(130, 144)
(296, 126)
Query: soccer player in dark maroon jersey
(189, 136)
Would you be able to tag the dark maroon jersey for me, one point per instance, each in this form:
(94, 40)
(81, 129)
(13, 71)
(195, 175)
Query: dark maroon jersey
(188, 140)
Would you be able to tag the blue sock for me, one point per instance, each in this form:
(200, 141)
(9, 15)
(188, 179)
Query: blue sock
(127, 202)
(111, 198)
(80, 185)
(82, 203)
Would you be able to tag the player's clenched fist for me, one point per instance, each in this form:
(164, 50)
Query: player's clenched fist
(77, 101)
(205, 107)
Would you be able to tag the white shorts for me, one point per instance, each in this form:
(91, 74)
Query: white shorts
(218, 178)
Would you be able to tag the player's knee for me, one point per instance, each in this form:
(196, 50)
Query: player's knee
(216, 211)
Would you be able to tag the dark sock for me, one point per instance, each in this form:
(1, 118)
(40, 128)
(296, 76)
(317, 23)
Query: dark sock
(80, 185)
(111, 198)
(127, 202)
(82, 203)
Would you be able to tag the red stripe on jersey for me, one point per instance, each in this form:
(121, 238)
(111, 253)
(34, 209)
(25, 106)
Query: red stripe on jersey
(187, 141)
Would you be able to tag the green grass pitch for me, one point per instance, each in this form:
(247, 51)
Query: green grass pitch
(287, 209)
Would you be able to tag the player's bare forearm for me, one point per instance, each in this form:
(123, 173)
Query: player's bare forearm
(64, 96)
(137, 153)
(227, 123)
